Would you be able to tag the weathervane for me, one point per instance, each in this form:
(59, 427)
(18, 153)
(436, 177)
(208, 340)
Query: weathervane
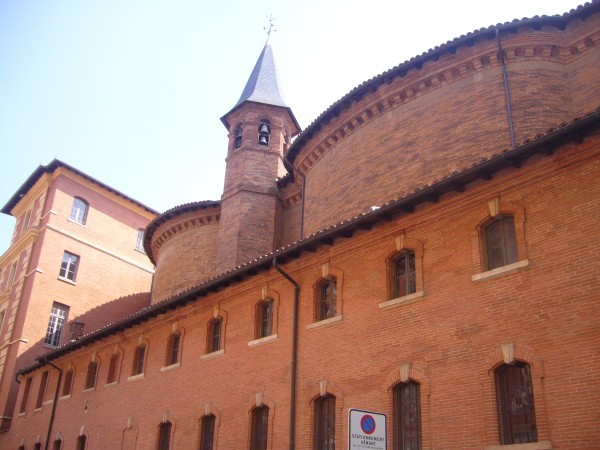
(271, 26)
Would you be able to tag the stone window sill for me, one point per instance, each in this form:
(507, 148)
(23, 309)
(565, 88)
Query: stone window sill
(64, 397)
(66, 280)
(113, 384)
(499, 271)
(325, 322)
(92, 389)
(213, 354)
(402, 300)
(541, 445)
(76, 222)
(170, 367)
(263, 340)
(135, 377)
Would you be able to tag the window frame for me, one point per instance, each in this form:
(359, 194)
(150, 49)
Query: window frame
(139, 242)
(508, 248)
(214, 338)
(79, 211)
(326, 302)
(91, 376)
(259, 427)
(39, 402)
(138, 366)
(409, 276)
(26, 395)
(56, 324)
(173, 354)
(207, 432)
(324, 423)
(164, 436)
(69, 266)
(410, 388)
(264, 326)
(67, 387)
(114, 362)
(503, 388)
(238, 136)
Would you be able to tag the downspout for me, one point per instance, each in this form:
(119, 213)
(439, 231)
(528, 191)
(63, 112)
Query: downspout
(53, 404)
(294, 353)
(511, 127)
(302, 206)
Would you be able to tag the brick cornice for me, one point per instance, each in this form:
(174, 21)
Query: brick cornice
(41, 186)
(181, 226)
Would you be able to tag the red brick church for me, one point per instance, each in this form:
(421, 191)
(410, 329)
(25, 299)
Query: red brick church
(426, 249)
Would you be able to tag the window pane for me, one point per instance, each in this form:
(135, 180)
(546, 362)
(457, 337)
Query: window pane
(112, 368)
(78, 210)
(207, 432)
(58, 316)
(139, 243)
(328, 299)
(266, 311)
(260, 424)
(68, 266)
(405, 279)
(42, 392)
(215, 343)
(68, 384)
(25, 398)
(90, 381)
(173, 350)
(325, 423)
(407, 416)
(516, 411)
(164, 436)
(500, 242)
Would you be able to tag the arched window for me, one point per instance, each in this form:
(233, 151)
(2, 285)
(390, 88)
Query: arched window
(81, 441)
(500, 242)
(113, 368)
(57, 444)
(207, 432)
(237, 136)
(516, 410)
(92, 371)
(325, 307)
(79, 210)
(164, 436)
(260, 428)
(404, 272)
(324, 423)
(214, 337)
(139, 356)
(68, 383)
(173, 348)
(264, 133)
(264, 318)
(407, 416)
(37, 446)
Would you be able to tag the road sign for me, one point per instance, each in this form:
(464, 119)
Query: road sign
(367, 430)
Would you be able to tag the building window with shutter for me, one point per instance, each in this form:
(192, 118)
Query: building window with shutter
(500, 243)
(404, 273)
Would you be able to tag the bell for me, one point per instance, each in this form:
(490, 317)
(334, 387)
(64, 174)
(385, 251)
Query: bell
(262, 140)
(264, 128)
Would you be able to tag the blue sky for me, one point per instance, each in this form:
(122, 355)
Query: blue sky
(131, 92)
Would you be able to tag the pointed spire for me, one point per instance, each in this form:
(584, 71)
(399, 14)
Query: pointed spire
(263, 86)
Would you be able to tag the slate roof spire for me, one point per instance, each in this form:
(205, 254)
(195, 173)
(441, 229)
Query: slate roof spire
(263, 85)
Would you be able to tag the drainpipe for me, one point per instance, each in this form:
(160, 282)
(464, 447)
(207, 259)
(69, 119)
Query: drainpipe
(54, 403)
(511, 127)
(294, 353)
(302, 206)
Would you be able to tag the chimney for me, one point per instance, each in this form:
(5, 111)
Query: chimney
(76, 330)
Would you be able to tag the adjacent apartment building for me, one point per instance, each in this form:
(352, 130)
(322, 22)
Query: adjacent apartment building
(425, 250)
(76, 248)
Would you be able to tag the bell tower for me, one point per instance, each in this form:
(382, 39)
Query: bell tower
(260, 127)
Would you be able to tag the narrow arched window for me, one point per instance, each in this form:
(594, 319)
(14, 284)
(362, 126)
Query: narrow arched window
(164, 436)
(81, 442)
(138, 360)
(324, 424)
(516, 409)
(407, 416)
(92, 371)
(79, 210)
(68, 383)
(113, 368)
(405, 279)
(207, 432)
(57, 444)
(37, 446)
(173, 348)
(264, 133)
(326, 301)
(214, 338)
(237, 136)
(260, 428)
(264, 318)
(500, 242)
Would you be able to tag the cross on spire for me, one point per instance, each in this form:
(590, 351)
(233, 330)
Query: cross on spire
(271, 26)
